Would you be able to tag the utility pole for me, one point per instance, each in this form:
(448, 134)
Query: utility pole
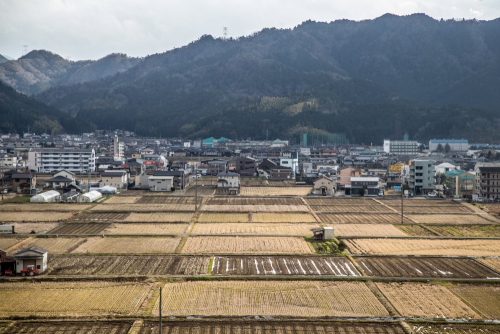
(196, 187)
(402, 196)
(160, 311)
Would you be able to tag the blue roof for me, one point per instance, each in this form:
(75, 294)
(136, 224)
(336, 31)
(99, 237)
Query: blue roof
(454, 173)
(449, 141)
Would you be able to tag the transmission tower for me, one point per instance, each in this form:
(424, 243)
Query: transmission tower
(224, 32)
(25, 49)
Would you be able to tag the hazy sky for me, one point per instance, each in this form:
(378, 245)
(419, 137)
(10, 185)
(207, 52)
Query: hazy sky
(91, 29)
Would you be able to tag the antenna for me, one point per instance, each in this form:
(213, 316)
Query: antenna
(224, 32)
(25, 49)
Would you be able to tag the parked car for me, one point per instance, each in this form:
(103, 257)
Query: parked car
(381, 194)
(432, 194)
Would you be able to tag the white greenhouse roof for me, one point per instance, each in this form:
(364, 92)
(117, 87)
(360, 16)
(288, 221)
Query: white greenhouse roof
(44, 197)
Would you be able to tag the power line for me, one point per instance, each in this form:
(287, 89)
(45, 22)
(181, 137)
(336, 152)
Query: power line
(25, 49)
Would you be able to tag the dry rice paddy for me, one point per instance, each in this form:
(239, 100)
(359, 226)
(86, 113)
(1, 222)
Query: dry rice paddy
(434, 209)
(53, 245)
(128, 245)
(340, 201)
(484, 298)
(207, 190)
(367, 229)
(270, 298)
(255, 228)
(122, 199)
(449, 219)
(426, 301)
(253, 201)
(256, 208)
(34, 216)
(350, 208)
(8, 242)
(362, 218)
(130, 228)
(159, 217)
(143, 207)
(101, 217)
(25, 228)
(43, 207)
(466, 230)
(91, 298)
(455, 328)
(167, 200)
(424, 247)
(245, 245)
(223, 217)
(283, 218)
(493, 263)
(415, 230)
(275, 191)
(71, 327)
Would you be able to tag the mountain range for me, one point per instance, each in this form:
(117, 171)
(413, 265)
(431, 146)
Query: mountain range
(435, 78)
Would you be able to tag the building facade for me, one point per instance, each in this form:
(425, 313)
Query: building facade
(401, 147)
(421, 180)
(487, 180)
(50, 160)
(246, 166)
(117, 147)
(456, 145)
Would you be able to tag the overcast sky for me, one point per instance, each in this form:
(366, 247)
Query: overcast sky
(91, 29)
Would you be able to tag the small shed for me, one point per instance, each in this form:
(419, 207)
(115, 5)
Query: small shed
(7, 264)
(6, 229)
(32, 256)
(90, 197)
(324, 186)
(46, 197)
(324, 233)
(160, 183)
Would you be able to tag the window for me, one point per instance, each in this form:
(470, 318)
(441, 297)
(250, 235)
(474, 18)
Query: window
(38, 266)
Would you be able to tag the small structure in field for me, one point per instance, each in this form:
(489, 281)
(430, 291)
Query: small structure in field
(90, 197)
(324, 233)
(46, 197)
(160, 183)
(7, 229)
(229, 180)
(34, 257)
(324, 186)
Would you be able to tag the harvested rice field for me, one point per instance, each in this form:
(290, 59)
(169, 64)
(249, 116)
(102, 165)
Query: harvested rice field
(8, 242)
(350, 208)
(434, 267)
(246, 245)
(484, 298)
(100, 217)
(255, 228)
(71, 299)
(362, 218)
(367, 230)
(122, 199)
(449, 219)
(253, 201)
(271, 327)
(434, 209)
(273, 298)
(284, 265)
(34, 216)
(143, 207)
(283, 218)
(43, 207)
(223, 217)
(53, 245)
(207, 190)
(493, 263)
(80, 228)
(426, 301)
(340, 201)
(424, 247)
(416, 230)
(126, 245)
(167, 200)
(419, 202)
(483, 231)
(159, 217)
(26, 228)
(449, 328)
(256, 208)
(70, 327)
(117, 228)
(128, 265)
(275, 191)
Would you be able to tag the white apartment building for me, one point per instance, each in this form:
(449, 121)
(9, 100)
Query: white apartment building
(8, 160)
(46, 160)
(401, 147)
(456, 145)
(421, 179)
(117, 147)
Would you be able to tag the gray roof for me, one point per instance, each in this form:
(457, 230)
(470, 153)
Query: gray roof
(119, 173)
(59, 179)
(227, 173)
(32, 249)
(168, 173)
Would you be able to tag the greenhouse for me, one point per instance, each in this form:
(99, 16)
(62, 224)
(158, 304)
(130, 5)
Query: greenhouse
(89, 197)
(46, 197)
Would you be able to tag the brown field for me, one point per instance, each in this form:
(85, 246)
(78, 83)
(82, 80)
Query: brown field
(253, 201)
(284, 265)
(362, 218)
(449, 219)
(433, 328)
(256, 208)
(418, 202)
(423, 267)
(127, 265)
(223, 218)
(80, 228)
(34, 216)
(340, 201)
(493, 263)
(466, 230)
(275, 191)
(245, 245)
(167, 200)
(100, 217)
(305, 299)
(350, 208)
(283, 218)
(123, 199)
(426, 301)
(160, 217)
(70, 327)
(25, 228)
(255, 228)
(116, 228)
(125, 245)
(207, 190)
(53, 245)
(424, 247)
(43, 207)
(8, 242)
(280, 183)
(484, 298)
(366, 229)
(271, 327)
(60, 299)
(434, 209)
(143, 207)
(415, 230)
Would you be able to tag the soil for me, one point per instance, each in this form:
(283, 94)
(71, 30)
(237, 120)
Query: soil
(71, 327)
(80, 228)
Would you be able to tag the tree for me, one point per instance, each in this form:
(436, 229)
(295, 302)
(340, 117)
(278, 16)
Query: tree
(447, 148)
(488, 156)
(440, 148)
(421, 148)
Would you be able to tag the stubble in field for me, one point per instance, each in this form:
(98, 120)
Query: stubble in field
(275, 191)
(53, 245)
(34, 216)
(71, 327)
(283, 218)
(254, 228)
(484, 298)
(426, 300)
(256, 208)
(43, 207)
(122, 199)
(449, 219)
(143, 207)
(159, 217)
(8, 242)
(130, 228)
(25, 228)
(208, 217)
(272, 298)
(362, 218)
(367, 229)
(128, 245)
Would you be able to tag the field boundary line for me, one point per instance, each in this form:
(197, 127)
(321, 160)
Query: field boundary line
(311, 210)
(387, 206)
(16, 245)
(406, 328)
(136, 327)
(483, 316)
(356, 265)
(179, 248)
(393, 312)
(485, 265)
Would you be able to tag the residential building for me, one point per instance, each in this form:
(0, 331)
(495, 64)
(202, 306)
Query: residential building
(117, 147)
(281, 173)
(324, 186)
(487, 180)
(246, 166)
(117, 179)
(456, 145)
(421, 180)
(460, 183)
(20, 182)
(160, 183)
(401, 147)
(8, 160)
(180, 179)
(45, 160)
(58, 182)
(445, 167)
(215, 166)
(229, 180)
(364, 186)
(290, 160)
(344, 177)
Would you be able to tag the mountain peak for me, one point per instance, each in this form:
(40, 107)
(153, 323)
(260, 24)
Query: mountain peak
(42, 54)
